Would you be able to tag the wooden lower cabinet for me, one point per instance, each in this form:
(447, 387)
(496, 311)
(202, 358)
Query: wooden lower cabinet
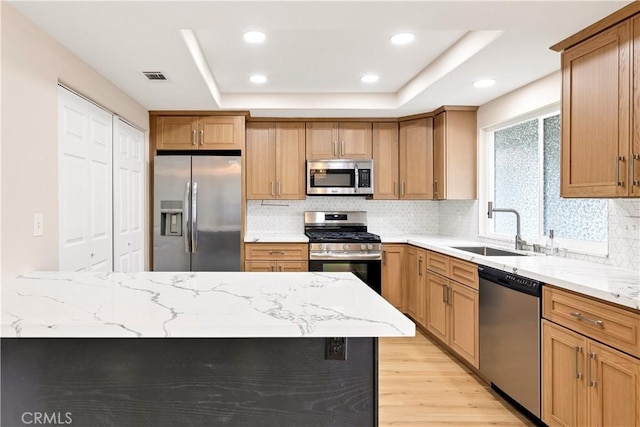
(586, 383)
(416, 285)
(393, 277)
(270, 266)
(284, 257)
(452, 315)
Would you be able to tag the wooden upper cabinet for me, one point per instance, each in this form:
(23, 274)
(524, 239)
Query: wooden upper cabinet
(634, 159)
(200, 133)
(344, 140)
(416, 159)
(596, 90)
(176, 133)
(260, 161)
(385, 161)
(454, 155)
(275, 161)
(290, 155)
(221, 132)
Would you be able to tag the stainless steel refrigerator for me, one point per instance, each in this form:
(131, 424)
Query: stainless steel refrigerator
(196, 213)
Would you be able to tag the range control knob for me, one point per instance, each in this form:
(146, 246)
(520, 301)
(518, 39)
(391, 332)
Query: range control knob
(369, 247)
(345, 247)
(363, 247)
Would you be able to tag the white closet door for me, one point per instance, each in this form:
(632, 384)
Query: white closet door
(84, 185)
(100, 189)
(128, 197)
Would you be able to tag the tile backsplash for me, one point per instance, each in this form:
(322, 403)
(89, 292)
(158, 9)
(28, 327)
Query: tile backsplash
(387, 218)
(457, 218)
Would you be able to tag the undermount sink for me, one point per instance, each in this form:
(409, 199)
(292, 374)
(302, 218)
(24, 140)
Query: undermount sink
(487, 251)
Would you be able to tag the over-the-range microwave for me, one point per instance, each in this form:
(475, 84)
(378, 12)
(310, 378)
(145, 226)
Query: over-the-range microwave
(340, 177)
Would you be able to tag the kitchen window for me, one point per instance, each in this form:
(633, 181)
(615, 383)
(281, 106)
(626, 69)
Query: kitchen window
(523, 173)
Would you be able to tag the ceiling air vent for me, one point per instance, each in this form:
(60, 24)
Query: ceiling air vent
(154, 75)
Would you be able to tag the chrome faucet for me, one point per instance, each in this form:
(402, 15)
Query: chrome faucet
(519, 242)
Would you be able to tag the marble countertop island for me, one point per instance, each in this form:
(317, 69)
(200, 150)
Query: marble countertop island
(196, 305)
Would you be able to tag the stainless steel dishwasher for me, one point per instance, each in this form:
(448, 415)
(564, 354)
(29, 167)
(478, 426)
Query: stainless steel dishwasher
(510, 335)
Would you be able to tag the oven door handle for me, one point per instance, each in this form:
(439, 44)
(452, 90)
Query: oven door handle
(348, 256)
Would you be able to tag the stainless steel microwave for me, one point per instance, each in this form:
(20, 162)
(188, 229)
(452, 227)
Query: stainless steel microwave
(340, 177)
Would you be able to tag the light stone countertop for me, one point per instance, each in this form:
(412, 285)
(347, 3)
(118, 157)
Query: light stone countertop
(203, 305)
(276, 238)
(601, 281)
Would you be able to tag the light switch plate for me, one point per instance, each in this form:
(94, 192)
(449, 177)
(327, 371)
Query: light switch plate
(38, 224)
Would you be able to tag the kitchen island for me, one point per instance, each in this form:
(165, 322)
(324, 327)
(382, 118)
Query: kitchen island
(180, 349)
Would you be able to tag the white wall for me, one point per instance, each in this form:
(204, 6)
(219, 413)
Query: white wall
(32, 65)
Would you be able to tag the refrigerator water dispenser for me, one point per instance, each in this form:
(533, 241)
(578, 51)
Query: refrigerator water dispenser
(171, 218)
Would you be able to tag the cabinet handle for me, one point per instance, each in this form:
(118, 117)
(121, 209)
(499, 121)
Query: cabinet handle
(592, 382)
(435, 189)
(419, 267)
(279, 188)
(335, 143)
(395, 188)
(201, 136)
(193, 139)
(634, 181)
(384, 257)
(273, 268)
(279, 268)
(579, 316)
(272, 193)
(578, 351)
(444, 294)
(342, 149)
(449, 295)
(403, 189)
(618, 182)
(276, 252)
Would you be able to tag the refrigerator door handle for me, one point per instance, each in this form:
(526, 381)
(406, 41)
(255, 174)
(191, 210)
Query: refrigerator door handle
(194, 218)
(185, 219)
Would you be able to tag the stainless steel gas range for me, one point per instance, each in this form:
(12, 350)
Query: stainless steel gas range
(339, 242)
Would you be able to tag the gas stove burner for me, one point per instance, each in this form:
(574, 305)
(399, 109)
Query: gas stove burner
(342, 236)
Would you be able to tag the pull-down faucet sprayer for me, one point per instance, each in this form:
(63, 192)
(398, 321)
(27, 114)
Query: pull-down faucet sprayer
(490, 210)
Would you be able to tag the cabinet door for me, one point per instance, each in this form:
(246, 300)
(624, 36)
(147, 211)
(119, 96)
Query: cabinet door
(260, 266)
(385, 161)
(393, 275)
(416, 159)
(261, 179)
(176, 133)
(292, 266)
(355, 140)
(436, 316)
(634, 166)
(439, 157)
(421, 291)
(412, 282)
(564, 396)
(613, 387)
(290, 166)
(596, 114)
(322, 140)
(463, 317)
(221, 133)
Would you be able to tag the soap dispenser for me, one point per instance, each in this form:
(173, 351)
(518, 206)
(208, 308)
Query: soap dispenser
(550, 247)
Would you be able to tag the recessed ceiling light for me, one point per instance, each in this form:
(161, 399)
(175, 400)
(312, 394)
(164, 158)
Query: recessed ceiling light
(369, 78)
(484, 83)
(258, 78)
(254, 37)
(402, 38)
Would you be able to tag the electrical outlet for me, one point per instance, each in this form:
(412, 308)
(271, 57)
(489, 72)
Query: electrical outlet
(38, 224)
(336, 349)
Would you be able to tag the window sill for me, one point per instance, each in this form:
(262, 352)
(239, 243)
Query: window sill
(599, 250)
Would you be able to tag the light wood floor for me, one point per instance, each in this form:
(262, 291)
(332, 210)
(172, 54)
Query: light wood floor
(421, 385)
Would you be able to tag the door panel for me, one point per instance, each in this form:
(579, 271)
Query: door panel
(128, 197)
(171, 175)
(261, 161)
(218, 243)
(436, 319)
(290, 166)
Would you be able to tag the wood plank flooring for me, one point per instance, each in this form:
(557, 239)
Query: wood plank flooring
(420, 384)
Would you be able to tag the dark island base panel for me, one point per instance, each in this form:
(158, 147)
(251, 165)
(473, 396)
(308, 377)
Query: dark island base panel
(180, 382)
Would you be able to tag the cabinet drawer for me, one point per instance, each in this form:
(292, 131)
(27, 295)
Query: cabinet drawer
(611, 325)
(464, 272)
(276, 251)
(438, 263)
